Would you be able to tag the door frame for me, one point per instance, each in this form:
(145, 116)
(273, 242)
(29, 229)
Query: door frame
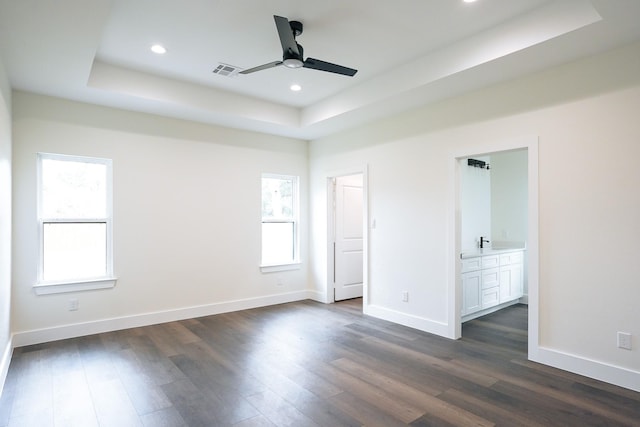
(530, 143)
(330, 176)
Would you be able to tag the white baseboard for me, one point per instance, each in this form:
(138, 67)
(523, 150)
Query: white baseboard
(5, 360)
(318, 296)
(107, 325)
(489, 310)
(611, 374)
(421, 323)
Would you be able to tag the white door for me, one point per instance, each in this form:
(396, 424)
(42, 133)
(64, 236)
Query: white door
(348, 263)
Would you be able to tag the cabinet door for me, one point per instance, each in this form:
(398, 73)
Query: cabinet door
(517, 276)
(471, 292)
(510, 282)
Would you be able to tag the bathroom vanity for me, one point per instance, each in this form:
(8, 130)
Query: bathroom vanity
(491, 280)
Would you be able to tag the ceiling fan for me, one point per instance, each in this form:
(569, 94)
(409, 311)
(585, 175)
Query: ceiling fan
(292, 52)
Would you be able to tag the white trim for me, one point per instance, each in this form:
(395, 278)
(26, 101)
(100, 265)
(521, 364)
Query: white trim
(318, 297)
(616, 375)
(330, 293)
(107, 325)
(5, 361)
(416, 322)
(533, 256)
(282, 267)
(84, 285)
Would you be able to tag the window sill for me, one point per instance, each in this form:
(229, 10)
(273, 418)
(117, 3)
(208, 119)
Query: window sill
(83, 285)
(282, 267)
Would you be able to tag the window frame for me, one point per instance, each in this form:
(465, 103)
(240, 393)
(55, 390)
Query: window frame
(72, 285)
(295, 220)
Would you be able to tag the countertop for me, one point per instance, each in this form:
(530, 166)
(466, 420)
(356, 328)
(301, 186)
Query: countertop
(489, 251)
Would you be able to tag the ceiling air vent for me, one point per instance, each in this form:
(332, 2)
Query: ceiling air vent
(226, 70)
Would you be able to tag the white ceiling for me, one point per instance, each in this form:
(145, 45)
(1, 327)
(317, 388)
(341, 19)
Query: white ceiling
(408, 53)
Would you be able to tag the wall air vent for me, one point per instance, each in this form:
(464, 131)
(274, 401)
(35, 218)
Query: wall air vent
(226, 70)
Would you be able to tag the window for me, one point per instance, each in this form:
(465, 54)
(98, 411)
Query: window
(279, 220)
(75, 223)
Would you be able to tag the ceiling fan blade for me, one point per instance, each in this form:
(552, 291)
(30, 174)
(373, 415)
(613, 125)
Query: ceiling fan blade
(261, 67)
(317, 64)
(286, 35)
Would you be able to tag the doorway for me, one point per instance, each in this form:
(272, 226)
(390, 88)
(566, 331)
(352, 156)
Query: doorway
(347, 228)
(493, 232)
(530, 146)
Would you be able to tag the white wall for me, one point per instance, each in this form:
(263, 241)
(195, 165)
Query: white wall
(5, 225)
(585, 116)
(509, 196)
(186, 217)
(475, 202)
(509, 203)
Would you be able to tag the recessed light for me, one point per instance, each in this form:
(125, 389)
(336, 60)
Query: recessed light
(295, 87)
(469, 1)
(159, 49)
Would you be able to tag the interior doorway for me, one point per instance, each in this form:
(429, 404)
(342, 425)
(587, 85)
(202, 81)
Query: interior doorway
(531, 274)
(347, 236)
(493, 232)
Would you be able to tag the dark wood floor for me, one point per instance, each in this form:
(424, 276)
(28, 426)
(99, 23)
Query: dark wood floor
(303, 364)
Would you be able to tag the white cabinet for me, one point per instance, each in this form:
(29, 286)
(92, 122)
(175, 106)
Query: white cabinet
(510, 282)
(489, 261)
(490, 297)
(471, 264)
(471, 292)
(490, 287)
(490, 280)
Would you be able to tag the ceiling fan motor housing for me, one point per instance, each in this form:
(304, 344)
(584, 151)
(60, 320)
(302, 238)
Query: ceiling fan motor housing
(296, 27)
(292, 59)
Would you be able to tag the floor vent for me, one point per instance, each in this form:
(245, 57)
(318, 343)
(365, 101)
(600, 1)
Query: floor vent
(226, 70)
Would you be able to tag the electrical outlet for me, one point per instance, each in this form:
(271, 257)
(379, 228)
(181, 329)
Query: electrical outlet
(624, 340)
(405, 296)
(74, 304)
(279, 281)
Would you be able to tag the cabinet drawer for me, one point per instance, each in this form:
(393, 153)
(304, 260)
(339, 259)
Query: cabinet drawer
(490, 278)
(490, 261)
(490, 297)
(511, 258)
(471, 264)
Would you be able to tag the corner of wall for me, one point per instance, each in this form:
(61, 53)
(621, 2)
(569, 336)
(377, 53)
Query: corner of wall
(6, 343)
(421, 323)
(317, 296)
(5, 361)
(5, 87)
